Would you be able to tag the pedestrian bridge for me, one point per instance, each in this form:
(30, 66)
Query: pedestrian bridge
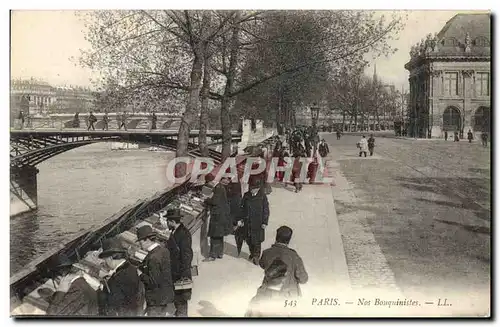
(28, 148)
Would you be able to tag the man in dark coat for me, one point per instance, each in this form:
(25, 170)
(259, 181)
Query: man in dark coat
(105, 120)
(21, 119)
(156, 274)
(73, 296)
(122, 295)
(220, 224)
(470, 136)
(154, 119)
(181, 256)
(297, 273)
(323, 148)
(255, 216)
(484, 139)
(123, 121)
(76, 121)
(371, 144)
(92, 121)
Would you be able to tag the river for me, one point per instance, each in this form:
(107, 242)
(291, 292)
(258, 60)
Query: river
(80, 188)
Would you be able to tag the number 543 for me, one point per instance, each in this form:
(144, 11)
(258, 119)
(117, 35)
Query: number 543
(290, 303)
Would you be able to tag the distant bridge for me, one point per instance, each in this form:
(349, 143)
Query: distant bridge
(31, 147)
(28, 148)
(139, 120)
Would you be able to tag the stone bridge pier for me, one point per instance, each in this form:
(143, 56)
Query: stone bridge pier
(23, 189)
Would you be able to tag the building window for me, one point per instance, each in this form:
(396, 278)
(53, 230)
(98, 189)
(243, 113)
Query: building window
(482, 42)
(451, 84)
(483, 84)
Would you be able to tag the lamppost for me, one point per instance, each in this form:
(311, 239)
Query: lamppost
(313, 168)
(314, 118)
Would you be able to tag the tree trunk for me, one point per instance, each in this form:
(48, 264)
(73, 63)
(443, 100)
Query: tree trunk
(191, 108)
(226, 101)
(279, 113)
(343, 120)
(205, 89)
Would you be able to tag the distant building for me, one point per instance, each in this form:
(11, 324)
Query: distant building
(37, 97)
(450, 79)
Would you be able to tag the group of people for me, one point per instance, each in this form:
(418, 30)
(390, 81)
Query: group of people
(470, 137)
(244, 216)
(122, 121)
(127, 290)
(302, 139)
(298, 149)
(247, 217)
(365, 145)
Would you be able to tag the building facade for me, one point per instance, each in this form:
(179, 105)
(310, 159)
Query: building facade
(450, 79)
(36, 97)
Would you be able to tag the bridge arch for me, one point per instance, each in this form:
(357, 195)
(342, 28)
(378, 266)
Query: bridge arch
(33, 148)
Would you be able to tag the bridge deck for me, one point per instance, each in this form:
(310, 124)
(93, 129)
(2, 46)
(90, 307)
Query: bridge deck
(81, 132)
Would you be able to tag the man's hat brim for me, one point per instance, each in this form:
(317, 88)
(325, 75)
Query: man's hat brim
(146, 236)
(109, 253)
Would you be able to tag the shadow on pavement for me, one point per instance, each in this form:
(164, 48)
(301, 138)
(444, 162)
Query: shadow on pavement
(232, 251)
(421, 188)
(209, 310)
(468, 191)
(204, 245)
(441, 203)
(470, 228)
(343, 208)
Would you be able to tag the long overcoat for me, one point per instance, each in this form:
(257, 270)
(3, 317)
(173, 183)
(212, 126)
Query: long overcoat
(255, 213)
(181, 256)
(157, 277)
(125, 293)
(220, 224)
(234, 198)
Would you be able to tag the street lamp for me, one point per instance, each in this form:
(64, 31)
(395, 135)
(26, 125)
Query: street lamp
(314, 165)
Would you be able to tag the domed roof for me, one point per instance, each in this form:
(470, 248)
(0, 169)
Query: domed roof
(463, 28)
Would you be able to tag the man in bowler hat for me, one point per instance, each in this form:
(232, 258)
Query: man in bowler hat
(220, 224)
(181, 256)
(156, 274)
(73, 295)
(254, 217)
(124, 294)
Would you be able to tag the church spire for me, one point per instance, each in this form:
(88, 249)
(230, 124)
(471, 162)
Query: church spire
(375, 73)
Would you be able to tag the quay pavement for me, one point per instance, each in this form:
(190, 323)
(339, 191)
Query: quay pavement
(224, 287)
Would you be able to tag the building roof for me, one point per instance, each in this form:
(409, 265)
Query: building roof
(463, 37)
(475, 24)
(452, 37)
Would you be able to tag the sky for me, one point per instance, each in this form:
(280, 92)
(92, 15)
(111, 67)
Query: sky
(43, 41)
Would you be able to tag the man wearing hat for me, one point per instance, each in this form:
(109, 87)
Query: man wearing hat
(181, 256)
(73, 296)
(156, 274)
(323, 148)
(254, 216)
(220, 224)
(123, 295)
